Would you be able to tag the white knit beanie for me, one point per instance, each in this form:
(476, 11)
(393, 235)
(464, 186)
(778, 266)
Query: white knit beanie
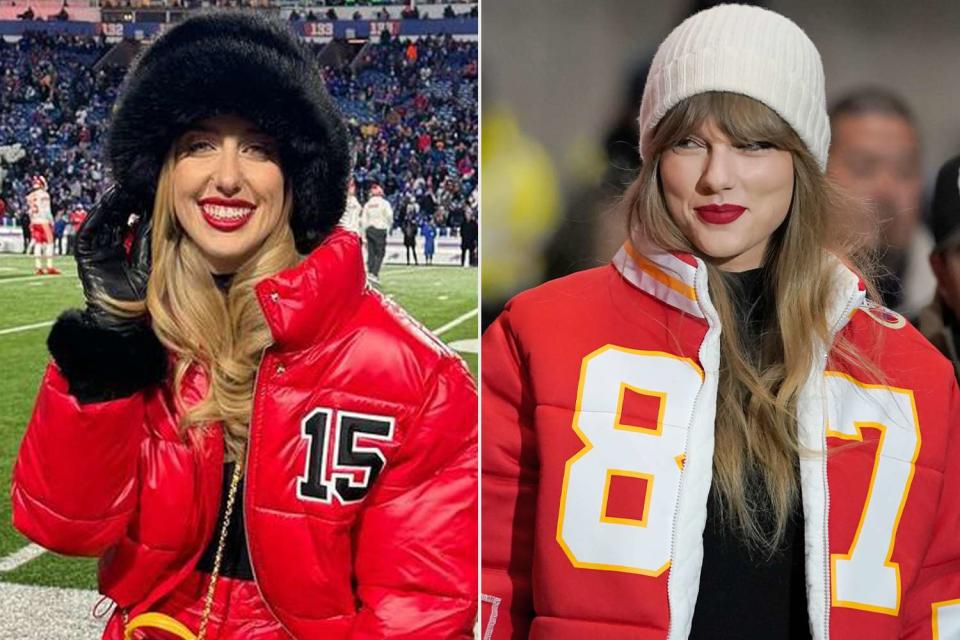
(745, 50)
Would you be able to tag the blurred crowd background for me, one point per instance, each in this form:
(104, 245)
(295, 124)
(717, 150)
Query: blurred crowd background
(562, 85)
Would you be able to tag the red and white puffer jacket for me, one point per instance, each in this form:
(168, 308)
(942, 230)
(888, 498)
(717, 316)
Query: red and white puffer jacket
(361, 476)
(599, 398)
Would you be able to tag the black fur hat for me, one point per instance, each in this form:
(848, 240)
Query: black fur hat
(245, 64)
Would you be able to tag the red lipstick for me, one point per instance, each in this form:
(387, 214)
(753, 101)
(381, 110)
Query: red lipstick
(228, 202)
(719, 213)
(226, 214)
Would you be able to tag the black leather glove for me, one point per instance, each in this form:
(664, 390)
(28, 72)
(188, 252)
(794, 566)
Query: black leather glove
(102, 261)
(103, 355)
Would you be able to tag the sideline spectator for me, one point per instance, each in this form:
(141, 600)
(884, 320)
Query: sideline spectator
(75, 219)
(59, 226)
(410, 239)
(468, 240)
(25, 229)
(429, 231)
(351, 213)
(377, 219)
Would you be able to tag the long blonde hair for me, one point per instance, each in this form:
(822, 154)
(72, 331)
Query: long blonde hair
(224, 334)
(756, 423)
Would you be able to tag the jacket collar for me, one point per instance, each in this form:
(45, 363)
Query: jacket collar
(307, 302)
(680, 280)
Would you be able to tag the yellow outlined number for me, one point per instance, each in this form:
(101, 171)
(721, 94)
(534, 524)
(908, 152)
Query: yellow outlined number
(865, 577)
(590, 538)
(945, 619)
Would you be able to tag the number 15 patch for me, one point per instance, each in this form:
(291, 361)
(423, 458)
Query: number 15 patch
(342, 460)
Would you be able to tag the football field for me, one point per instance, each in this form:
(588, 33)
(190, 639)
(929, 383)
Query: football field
(443, 299)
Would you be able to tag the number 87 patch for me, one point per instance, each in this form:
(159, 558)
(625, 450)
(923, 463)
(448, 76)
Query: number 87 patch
(342, 460)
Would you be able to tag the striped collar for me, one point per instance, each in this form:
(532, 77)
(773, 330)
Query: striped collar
(670, 277)
(679, 279)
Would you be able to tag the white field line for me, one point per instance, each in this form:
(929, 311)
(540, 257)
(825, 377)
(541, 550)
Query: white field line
(26, 327)
(21, 556)
(56, 256)
(413, 269)
(41, 613)
(399, 272)
(439, 331)
(16, 279)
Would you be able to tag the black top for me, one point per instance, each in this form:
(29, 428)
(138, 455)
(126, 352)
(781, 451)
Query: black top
(222, 280)
(235, 562)
(744, 594)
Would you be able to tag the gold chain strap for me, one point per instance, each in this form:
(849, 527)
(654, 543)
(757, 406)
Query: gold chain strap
(208, 601)
(165, 622)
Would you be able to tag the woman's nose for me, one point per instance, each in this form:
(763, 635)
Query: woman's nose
(719, 174)
(228, 174)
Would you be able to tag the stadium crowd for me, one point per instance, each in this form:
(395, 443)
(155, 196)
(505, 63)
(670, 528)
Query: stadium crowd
(412, 110)
(411, 107)
(54, 105)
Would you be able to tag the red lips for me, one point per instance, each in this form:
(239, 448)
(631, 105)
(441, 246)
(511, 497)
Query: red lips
(720, 213)
(228, 202)
(226, 223)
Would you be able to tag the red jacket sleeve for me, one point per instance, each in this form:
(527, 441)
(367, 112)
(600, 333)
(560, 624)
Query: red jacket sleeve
(74, 480)
(509, 482)
(932, 605)
(416, 557)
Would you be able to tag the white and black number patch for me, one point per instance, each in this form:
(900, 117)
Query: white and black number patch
(339, 467)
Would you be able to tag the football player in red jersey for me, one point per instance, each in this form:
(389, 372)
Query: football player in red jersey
(255, 444)
(41, 225)
(720, 435)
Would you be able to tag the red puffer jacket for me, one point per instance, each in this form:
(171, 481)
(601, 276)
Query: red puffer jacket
(599, 399)
(361, 485)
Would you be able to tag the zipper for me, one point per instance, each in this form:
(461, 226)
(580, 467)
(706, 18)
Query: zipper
(825, 356)
(256, 396)
(676, 517)
(711, 324)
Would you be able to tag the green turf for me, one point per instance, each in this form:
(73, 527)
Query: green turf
(53, 570)
(433, 295)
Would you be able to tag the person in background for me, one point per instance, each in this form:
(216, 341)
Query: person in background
(24, 220)
(429, 232)
(76, 218)
(940, 320)
(351, 214)
(41, 225)
(410, 238)
(468, 239)
(59, 225)
(376, 220)
(875, 156)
